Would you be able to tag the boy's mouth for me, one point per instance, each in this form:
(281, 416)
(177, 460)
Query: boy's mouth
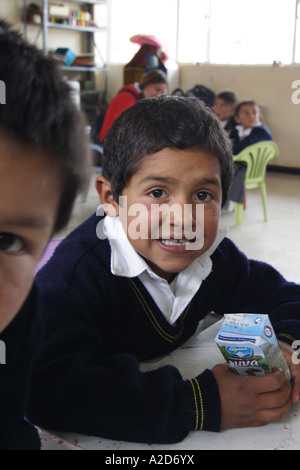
(178, 246)
(173, 242)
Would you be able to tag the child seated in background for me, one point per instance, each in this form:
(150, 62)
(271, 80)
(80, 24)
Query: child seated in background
(43, 165)
(224, 108)
(248, 130)
(132, 285)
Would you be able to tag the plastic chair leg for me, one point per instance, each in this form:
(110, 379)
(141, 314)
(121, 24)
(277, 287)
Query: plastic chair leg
(263, 191)
(238, 211)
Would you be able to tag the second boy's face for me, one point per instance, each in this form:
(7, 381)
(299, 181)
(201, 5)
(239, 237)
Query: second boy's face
(155, 89)
(189, 183)
(222, 109)
(248, 116)
(29, 196)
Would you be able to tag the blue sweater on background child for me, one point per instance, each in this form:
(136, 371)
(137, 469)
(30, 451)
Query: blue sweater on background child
(257, 134)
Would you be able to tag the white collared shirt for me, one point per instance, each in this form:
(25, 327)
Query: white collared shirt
(171, 298)
(242, 132)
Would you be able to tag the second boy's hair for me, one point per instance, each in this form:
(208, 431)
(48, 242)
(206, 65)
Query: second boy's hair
(153, 77)
(39, 111)
(244, 103)
(157, 123)
(229, 97)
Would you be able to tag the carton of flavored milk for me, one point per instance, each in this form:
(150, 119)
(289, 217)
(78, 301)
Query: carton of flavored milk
(249, 345)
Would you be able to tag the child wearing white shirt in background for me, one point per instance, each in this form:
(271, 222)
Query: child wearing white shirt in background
(224, 108)
(249, 130)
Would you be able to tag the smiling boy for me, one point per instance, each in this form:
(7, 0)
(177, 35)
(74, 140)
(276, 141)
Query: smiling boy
(113, 296)
(43, 166)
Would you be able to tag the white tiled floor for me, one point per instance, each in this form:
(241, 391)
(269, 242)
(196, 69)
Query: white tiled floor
(276, 241)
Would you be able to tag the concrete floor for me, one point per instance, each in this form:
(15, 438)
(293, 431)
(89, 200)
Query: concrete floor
(276, 241)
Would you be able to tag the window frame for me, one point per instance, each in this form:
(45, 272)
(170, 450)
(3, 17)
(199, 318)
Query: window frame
(179, 43)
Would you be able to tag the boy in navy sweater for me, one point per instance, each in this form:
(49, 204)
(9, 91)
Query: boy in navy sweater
(134, 284)
(43, 154)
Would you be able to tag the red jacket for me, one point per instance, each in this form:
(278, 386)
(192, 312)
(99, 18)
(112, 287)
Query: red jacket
(120, 102)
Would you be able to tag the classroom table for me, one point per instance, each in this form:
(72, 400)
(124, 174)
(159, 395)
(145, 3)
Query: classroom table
(199, 353)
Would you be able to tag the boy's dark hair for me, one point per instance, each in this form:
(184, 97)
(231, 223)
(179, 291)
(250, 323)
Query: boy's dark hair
(229, 97)
(156, 123)
(153, 77)
(243, 103)
(40, 111)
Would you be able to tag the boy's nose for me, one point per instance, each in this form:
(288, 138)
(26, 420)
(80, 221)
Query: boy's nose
(182, 215)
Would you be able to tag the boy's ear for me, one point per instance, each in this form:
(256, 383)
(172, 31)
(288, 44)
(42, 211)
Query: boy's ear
(103, 188)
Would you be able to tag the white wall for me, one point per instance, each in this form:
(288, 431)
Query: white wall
(270, 86)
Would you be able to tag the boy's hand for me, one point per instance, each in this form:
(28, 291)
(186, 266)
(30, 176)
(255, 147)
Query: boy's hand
(289, 353)
(251, 401)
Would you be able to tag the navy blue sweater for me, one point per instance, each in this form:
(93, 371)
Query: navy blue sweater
(21, 339)
(100, 326)
(258, 134)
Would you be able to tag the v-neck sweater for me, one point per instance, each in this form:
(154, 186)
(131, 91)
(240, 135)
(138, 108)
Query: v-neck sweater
(99, 327)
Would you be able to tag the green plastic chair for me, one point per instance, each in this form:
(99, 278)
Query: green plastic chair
(256, 157)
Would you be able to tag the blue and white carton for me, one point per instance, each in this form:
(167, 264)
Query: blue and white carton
(249, 344)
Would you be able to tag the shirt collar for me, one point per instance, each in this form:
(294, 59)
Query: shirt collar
(242, 132)
(125, 261)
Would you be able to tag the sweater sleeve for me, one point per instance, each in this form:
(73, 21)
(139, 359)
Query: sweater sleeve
(80, 387)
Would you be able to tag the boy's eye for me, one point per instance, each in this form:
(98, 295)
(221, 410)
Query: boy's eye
(203, 196)
(157, 193)
(11, 243)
